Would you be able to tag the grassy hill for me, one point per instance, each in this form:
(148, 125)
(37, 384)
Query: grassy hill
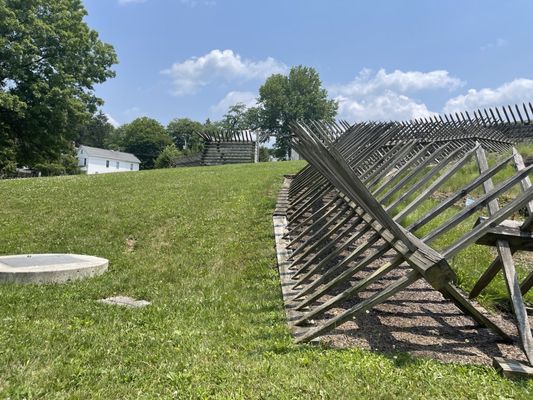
(198, 244)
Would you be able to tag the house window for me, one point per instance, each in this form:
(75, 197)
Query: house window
(107, 163)
(118, 164)
(131, 167)
(84, 162)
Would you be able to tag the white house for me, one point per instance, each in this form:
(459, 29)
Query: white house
(93, 160)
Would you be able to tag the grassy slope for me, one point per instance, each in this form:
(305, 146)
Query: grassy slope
(203, 255)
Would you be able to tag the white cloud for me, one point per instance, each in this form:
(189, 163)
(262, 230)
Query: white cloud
(386, 96)
(232, 98)
(219, 65)
(124, 2)
(516, 91)
(365, 83)
(112, 120)
(498, 43)
(387, 106)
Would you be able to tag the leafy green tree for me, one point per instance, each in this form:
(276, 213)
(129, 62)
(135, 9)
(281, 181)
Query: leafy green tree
(96, 132)
(67, 164)
(298, 96)
(8, 163)
(212, 126)
(168, 157)
(50, 61)
(264, 154)
(239, 117)
(184, 133)
(144, 137)
(113, 141)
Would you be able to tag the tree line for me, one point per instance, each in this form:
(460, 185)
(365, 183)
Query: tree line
(155, 145)
(50, 61)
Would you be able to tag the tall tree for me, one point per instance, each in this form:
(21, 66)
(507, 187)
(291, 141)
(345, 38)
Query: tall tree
(283, 99)
(184, 133)
(239, 117)
(50, 61)
(144, 137)
(96, 132)
(8, 162)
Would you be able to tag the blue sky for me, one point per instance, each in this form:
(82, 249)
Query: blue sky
(380, 59)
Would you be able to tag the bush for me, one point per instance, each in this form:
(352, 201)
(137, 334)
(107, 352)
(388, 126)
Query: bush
(168, 157)
(8, 164)
(66, 165)
(70, 163)
(7, 167)
(264, 154)
(50, 169)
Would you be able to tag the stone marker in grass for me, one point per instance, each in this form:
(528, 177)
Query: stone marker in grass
(125, 301)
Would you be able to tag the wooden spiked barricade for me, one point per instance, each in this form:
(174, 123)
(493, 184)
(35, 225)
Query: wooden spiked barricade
(359, 198)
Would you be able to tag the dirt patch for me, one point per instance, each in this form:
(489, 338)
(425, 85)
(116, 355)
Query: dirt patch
(130, 243)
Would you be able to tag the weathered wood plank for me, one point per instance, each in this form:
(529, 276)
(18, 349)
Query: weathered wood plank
(512, 369)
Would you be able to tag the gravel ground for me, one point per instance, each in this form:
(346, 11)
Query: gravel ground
(419, 321)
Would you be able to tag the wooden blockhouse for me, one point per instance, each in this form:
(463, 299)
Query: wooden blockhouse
(226, 147)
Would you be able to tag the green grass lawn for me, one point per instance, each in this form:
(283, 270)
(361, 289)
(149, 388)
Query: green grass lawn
(198, 244)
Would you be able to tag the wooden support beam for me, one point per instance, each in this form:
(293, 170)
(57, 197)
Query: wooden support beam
(510, 232)
(509, 271)
(512, 369)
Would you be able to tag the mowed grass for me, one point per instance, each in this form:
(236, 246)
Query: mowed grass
(198, 244)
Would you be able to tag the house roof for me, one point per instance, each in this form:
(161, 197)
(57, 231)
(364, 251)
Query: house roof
(109, 154)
